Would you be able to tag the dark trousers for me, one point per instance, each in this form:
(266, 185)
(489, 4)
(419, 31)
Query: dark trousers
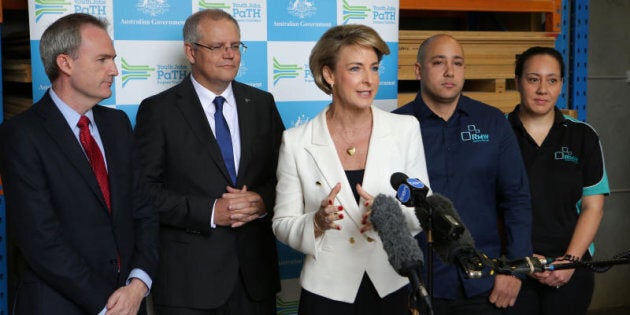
(572, 298)
(462, 305)
(239, 303)
(367, 302)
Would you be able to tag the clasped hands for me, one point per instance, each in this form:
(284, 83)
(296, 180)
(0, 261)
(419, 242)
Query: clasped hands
(237, 207)
(328, 212)
(555, 278)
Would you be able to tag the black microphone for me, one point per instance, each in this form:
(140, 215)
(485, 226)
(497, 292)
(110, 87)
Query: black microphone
(413, 193)
(402, 249)
(445, 245)
(530, 265)
(459, 251)
(527, 265)
(409, 191)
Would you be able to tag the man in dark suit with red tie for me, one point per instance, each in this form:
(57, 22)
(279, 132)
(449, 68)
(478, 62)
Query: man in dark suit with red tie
(209, 147)
(76, 206)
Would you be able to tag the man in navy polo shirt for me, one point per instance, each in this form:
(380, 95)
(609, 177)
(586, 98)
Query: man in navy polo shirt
(473, 159)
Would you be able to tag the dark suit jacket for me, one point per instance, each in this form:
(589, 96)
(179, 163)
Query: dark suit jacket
(58, 217)
(186, 174)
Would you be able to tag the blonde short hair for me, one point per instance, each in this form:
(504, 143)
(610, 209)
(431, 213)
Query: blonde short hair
(327, 48)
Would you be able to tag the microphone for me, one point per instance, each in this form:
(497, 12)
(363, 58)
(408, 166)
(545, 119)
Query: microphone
(445, 245)
(402, 249)
(530, 265)
(412, 192)
(462, 251)
(452, 242)
(526, 265)
(409, 191)
(450, 239)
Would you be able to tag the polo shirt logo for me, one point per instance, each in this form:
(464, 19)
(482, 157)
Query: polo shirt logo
(473, 134)
(566, 155)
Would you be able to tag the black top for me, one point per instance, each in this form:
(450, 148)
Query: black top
(568, 165)
(355, 177)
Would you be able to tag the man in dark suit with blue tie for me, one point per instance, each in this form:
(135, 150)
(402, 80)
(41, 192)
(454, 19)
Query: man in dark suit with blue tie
(209, 147)
(87, 233)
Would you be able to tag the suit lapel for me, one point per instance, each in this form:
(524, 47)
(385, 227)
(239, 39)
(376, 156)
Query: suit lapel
(110, 137)
(194, 116)
(322, 151)
(247, 123)
(381, 140)
(57, 127)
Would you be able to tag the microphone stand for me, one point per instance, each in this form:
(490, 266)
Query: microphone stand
(595, 265)
(429, 233)
(535, 265)
(419, 300)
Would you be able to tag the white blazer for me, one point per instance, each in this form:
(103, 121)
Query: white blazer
(308, 168)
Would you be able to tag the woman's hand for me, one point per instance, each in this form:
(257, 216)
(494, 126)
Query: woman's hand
(328, 213)
(558, 278)
(365, 221)
(541, 276)
(555, 278)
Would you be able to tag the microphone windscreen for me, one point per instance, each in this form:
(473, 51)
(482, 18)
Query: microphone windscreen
(445, 247)
(443, 205)
(397, 179)
(389, 222)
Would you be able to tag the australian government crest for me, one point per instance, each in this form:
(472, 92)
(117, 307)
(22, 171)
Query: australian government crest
(152, 7)
(302, 8)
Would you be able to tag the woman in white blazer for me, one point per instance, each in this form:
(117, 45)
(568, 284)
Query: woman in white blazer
(330, 168)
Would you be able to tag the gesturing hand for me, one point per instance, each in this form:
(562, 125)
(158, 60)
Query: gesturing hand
(328, 213)
(369, 199)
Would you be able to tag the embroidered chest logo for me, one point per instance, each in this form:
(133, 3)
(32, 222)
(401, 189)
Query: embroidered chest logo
(474, 134)
(566, 155)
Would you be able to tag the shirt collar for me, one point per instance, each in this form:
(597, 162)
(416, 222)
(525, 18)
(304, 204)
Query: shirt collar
(206, 96)
(424, 112)
(71, 116)
(558, 118)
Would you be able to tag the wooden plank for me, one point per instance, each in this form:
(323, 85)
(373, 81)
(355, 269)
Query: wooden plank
(16, 45)
(14, 105)
(477, 36)
(472, 72)
(491, 85)
(571, 112)
(17, 70)
(487, 54)
(551, 8)
(553, 21)
(404, 98)
(14, 4)
(480, 5)
(505, 101)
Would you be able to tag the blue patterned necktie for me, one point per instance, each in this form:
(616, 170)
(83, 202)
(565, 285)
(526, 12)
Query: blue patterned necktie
(224, 138)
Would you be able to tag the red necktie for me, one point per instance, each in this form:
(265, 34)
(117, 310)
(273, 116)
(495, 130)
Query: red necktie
(95, 156)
